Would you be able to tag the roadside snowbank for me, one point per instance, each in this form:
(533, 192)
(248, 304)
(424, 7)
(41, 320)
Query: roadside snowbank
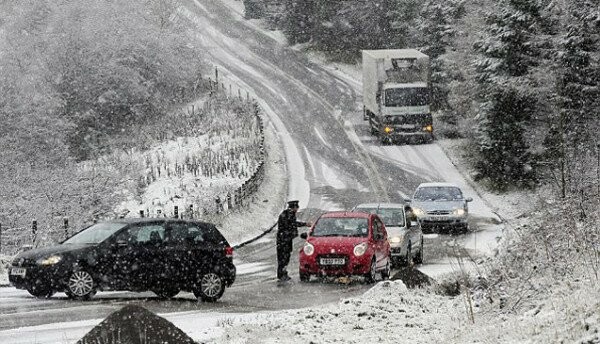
(387, 313)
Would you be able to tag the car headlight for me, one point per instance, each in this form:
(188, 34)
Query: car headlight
(388, 130)
(360, 249)
(50, 260)
(459, 212)
(428, 128)
(396, 240)
(308, 249)
(418, 212)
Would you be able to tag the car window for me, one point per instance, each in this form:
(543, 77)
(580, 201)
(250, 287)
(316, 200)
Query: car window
(391, 217)
(95, 233)
(195, 233)
(151, 233)
(341, 226)
(185, 232)
(438, 193)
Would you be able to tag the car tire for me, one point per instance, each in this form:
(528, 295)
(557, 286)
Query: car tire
(408, 258)
(166, 292)
(385, 273)
(304, 277)
(80, 285)
(40, 291)
(395, 263)
(419, 257)
(211, 287)
(370, 275)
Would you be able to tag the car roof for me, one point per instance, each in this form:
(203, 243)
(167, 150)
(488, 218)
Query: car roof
(132, 220)
(380, 205)
(346, 214)
(437, 184)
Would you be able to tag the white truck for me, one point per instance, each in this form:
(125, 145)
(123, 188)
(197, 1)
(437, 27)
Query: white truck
(396, 95)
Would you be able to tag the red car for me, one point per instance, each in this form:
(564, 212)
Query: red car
(346, 243)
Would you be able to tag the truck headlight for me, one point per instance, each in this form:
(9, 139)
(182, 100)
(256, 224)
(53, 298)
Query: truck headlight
(459, 212)
(308, 249)
(360, 249)
(50, 260)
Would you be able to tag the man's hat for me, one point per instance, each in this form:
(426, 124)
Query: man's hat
(293, 204)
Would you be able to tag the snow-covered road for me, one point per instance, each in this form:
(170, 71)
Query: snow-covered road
(332, 163)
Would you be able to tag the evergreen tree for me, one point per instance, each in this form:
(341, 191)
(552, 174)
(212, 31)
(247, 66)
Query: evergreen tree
(509, 53)
(253, 9)
(298, 20)
(573, 127)
(437, 30)
(508, 50)
(501, 138)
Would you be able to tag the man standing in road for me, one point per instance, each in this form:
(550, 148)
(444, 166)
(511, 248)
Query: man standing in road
(287, 230)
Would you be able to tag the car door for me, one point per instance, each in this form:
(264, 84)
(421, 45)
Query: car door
(379, 241)
(190, 251)
(137, 255)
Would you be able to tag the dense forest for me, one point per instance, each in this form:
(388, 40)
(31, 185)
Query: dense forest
(524, 74)
(80, 79)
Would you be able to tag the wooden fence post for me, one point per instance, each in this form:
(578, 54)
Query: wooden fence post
(34, 232)
(66, 226)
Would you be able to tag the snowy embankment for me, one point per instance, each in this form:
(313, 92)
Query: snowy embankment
(388, 312)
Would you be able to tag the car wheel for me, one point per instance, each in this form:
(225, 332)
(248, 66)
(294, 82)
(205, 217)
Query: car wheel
(210, 288)
(166, 292)
(370, 276)
(40, 291)
(385, 274)
(81, 285)
(395, 262)
(419, 257)
(408, 257)
(304, 277)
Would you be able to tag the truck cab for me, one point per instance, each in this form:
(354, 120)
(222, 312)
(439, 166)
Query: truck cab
(396, 95)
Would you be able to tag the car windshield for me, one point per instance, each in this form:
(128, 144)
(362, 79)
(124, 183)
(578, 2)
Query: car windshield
(438, 193)
(395, 97)
(341, 226)
(95, 233)
(392, 217)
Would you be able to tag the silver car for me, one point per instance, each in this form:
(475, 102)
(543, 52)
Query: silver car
(441, 207)
(405, 237)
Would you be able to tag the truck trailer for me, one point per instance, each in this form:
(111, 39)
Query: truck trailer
(396, 95)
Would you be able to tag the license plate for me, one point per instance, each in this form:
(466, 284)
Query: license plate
(408, 126)
(333, 261)
(18, 272)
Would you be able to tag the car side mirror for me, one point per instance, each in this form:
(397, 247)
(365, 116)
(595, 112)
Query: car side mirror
(469, 199)
(304, 236)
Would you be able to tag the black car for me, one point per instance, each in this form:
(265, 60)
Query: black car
(164, 255)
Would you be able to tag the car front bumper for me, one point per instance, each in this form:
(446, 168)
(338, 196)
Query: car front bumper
(52, 276)
(353, 265)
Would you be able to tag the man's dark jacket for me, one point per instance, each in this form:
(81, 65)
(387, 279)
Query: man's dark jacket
(287, 226)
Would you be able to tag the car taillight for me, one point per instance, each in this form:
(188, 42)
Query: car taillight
(229, 252)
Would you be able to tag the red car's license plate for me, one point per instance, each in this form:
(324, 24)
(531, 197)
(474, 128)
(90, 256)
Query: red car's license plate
(333, 261)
